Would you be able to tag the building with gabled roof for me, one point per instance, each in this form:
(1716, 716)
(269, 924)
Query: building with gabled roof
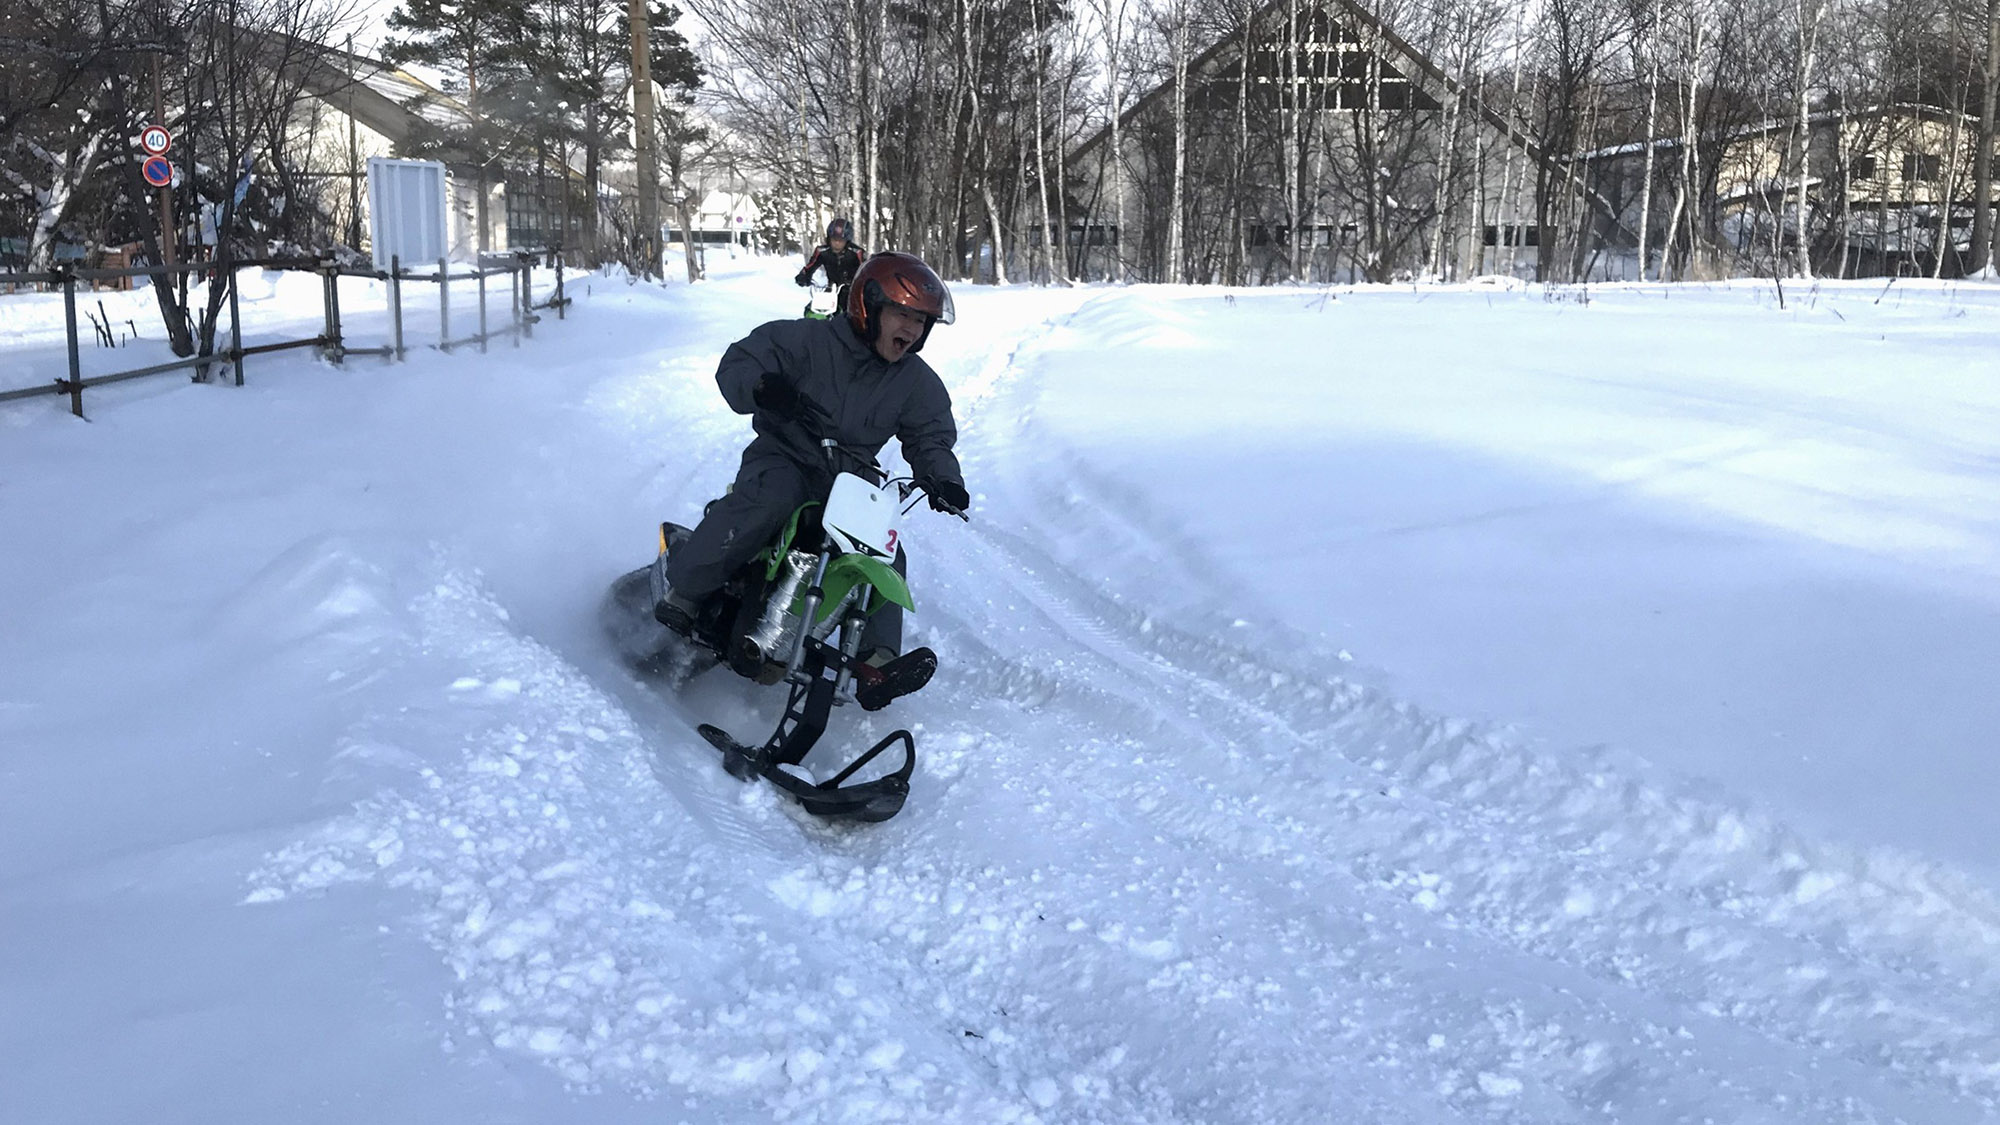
(1890, 189)
(1336, 127)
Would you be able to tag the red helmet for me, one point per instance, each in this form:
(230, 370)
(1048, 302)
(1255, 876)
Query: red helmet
(890, 278)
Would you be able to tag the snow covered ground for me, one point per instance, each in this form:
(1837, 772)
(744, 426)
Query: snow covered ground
(1432, 705)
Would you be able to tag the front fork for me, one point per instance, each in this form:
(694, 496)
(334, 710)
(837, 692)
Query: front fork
(853, 624)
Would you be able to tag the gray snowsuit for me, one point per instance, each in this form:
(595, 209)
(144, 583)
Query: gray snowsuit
(870, 401)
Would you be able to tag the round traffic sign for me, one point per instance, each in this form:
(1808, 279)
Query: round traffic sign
(159, 171)
(155, 140)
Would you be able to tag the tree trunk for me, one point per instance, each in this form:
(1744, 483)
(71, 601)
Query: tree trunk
(1175, 224)
(1982, 204)
(66, 171)
(1114, 21)
(1048, 239)
(855, 128)
(1239, 272)
(1808, 12)
(1652, 129)
(1294, 145)
(1948, 186)
(1061, 235)
(993, 229)
(1507, 208)
(874, 208)
(645, 131)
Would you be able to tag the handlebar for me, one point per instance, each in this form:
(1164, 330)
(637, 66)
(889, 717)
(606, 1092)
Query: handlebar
(905, 486)
(817, 421)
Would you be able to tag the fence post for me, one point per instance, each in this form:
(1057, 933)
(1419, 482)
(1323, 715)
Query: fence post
(336, 347)
(396, 304)
(528, 317)
(68, 275)
(235, 321)
(480, 270)
(325, 319)
(444, 306)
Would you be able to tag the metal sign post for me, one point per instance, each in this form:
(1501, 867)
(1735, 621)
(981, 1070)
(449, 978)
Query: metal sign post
(166, 193)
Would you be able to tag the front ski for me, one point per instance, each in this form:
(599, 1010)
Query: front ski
(806, 709)
(869, 802)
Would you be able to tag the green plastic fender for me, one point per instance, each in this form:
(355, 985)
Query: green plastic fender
(775, 557)
(846, 572)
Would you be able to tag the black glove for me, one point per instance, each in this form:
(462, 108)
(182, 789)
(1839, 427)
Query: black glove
(804, 279)
(947, 496)
(774, 393)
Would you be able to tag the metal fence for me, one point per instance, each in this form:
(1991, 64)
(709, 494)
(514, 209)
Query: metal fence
(331, 341)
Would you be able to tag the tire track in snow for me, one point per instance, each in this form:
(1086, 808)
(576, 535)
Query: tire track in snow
(1494, 803)
(1191, 820)
(1140, 880)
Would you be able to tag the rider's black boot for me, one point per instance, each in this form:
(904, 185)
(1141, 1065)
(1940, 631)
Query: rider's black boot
(895, 678)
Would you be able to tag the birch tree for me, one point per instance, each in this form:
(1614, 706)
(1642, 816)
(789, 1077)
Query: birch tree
(1111, 16)
(1177, 210)
(1651, 38)
(1806, 15)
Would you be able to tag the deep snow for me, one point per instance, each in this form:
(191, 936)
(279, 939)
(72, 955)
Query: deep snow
(1386, 705)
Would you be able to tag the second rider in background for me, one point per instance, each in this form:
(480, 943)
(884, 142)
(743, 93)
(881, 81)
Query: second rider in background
(838, 256)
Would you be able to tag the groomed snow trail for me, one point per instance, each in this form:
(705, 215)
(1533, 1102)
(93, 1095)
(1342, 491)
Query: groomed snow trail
(1161, 864)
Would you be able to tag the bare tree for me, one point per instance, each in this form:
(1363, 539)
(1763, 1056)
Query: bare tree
(1806, 15)
(1111, 15)
(1982, 192)
(56, 59)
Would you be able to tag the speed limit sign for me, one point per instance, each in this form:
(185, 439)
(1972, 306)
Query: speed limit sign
(155, 140)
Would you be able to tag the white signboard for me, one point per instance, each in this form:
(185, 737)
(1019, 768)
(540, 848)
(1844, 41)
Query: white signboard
(406, 211)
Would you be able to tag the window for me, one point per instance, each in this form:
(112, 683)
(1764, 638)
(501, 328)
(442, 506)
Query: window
(1862, 168)
(1522, 235)
(1920, 166)
(1095, 234)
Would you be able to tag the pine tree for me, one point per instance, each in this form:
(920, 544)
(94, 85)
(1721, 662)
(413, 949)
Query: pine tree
(486, 46)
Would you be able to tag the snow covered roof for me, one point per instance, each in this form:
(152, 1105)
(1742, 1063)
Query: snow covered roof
(383, 97)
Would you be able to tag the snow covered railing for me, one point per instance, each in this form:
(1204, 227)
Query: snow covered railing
(521, 307)
(331, 341)
(67, 277)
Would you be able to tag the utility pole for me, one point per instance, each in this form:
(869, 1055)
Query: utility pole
(645, 132)
(353, 159)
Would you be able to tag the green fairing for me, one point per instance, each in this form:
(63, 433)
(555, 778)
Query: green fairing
(776, 555)
(846, 572)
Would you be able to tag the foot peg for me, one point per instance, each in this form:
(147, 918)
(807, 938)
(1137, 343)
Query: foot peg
(894, 680)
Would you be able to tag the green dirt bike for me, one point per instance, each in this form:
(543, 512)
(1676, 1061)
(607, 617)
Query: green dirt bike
(824, 299)
(795, 615)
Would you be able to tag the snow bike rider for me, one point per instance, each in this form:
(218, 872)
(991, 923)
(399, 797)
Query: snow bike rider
(861, 371)
(838, 256)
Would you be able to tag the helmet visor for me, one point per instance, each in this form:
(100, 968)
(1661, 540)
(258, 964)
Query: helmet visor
(946, 312)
